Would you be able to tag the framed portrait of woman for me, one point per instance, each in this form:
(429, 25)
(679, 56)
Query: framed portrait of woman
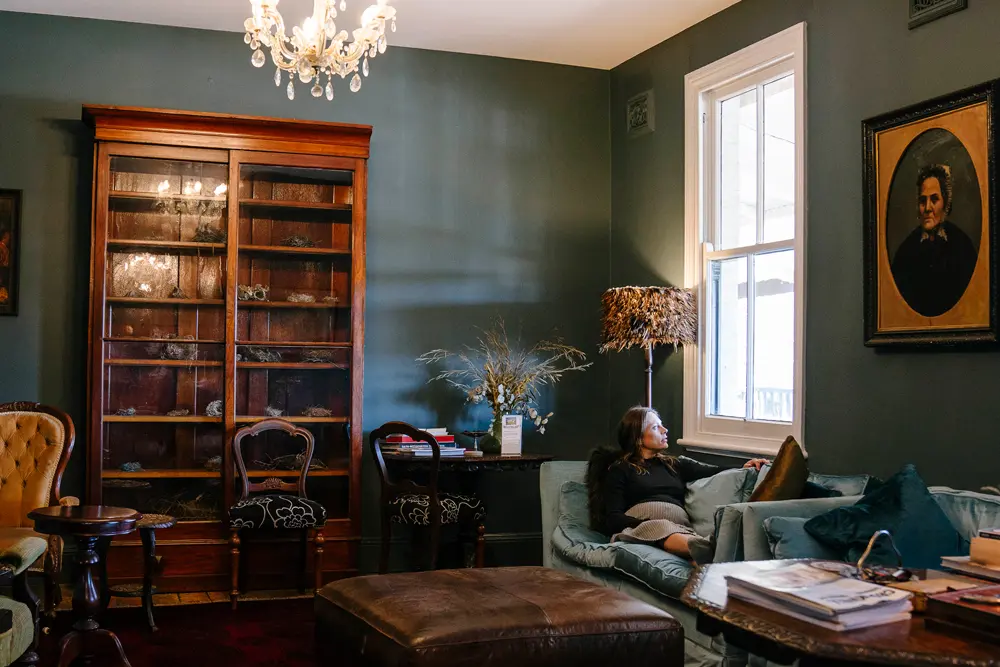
(10, 239)
(929, 222)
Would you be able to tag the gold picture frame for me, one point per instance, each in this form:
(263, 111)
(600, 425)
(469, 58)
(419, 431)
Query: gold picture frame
(929, 212)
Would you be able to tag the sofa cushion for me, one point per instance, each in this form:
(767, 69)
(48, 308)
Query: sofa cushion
(846, 485)
(704, 496)
(663, 572)
(786, 477)
(573, 538)
(968, 511)
(903, 506)
(788, 538)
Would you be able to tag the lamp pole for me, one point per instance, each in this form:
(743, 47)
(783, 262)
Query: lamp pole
(649, 375)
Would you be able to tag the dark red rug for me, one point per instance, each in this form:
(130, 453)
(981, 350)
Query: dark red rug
(274, 632)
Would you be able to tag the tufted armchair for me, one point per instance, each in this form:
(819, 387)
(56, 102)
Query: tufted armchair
(35, 444)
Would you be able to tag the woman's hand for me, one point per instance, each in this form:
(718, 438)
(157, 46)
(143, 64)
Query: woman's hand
(756, 463)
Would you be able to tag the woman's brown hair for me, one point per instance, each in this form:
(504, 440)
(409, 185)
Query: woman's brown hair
(630, 433)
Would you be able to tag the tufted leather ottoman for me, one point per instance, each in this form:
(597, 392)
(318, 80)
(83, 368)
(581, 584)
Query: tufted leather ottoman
(518, 617)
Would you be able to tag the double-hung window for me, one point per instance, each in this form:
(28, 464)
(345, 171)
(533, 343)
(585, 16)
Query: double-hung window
(745, 242)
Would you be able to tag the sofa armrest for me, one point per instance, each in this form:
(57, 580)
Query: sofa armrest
(740, 527)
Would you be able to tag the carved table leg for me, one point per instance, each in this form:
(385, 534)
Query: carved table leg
(87, 638)
(148, 536)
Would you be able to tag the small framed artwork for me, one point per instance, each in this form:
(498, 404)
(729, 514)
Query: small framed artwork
(930, 221)
(10, 239)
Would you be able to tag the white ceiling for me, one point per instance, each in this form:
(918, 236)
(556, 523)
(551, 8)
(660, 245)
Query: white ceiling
(589, 33)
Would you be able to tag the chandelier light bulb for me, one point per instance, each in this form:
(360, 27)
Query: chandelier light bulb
(317, 46)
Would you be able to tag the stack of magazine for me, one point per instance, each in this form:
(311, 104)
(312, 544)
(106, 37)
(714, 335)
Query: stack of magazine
(821, 596)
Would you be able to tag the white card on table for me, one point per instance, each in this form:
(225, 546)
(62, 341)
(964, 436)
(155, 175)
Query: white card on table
(510, 440)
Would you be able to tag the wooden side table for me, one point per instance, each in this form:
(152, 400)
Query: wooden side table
(86, 524)
(151, 566)
(783, 639)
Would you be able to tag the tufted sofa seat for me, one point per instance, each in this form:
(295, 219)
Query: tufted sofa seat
(35, 444)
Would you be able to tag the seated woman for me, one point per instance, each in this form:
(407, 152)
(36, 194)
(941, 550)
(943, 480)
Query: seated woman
(644, 489)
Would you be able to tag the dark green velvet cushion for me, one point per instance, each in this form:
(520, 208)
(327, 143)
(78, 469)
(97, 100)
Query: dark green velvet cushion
(904, 507)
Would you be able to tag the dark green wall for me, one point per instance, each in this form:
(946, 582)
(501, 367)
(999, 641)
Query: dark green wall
(865, 410)
(489, 194)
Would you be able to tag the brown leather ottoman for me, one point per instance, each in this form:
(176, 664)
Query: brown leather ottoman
(517, 616)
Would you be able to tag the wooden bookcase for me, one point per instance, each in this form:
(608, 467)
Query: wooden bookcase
(227, 285)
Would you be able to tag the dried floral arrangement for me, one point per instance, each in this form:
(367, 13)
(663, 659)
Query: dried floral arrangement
(214, 463)
(300, 297)
(506, 376)
(182, 412)
(214, 409)
(645, 316)
(130, 466)
(206, 233)
(273, 412)
(125, 412)
(288, 462)
(317, 411)
(298, 241)
(331, 299)
(256, 292)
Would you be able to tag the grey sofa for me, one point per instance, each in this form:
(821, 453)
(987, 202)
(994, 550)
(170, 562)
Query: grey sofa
(744, 531)
(649, 573)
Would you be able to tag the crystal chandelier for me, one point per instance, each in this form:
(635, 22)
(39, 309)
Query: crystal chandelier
(316, 48)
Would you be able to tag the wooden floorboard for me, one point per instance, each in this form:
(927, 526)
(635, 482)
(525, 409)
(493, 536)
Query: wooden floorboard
(174, 599)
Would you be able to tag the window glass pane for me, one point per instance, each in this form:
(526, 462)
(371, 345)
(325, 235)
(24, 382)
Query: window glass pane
(779, 159)
(738, 171)
(774, 335)
(728, 337)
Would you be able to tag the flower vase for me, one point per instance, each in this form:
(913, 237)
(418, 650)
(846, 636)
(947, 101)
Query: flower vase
(491, 443)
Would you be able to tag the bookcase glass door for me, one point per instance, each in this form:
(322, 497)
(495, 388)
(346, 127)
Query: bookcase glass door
(164, 339)
(293, 319)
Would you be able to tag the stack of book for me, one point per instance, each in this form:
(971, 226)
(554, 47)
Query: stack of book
(983, 559)
(821, 597)
(974, 613)
(407, 445)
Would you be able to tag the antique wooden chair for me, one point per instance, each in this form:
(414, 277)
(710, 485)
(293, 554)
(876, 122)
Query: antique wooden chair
(35, 445)
(406, 502)
(273, 508)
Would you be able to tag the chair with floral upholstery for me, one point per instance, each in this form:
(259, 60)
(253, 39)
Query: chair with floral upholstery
(406, 502)
(273, 508)
(35, 445)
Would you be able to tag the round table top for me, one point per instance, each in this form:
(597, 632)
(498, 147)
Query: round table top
(84, 520)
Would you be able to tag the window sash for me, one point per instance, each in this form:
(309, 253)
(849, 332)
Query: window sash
(753, 68)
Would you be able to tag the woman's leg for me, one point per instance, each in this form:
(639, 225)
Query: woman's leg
(677, 544)
(691, 547)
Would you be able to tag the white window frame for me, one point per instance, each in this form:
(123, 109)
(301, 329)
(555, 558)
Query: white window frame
(768, 59)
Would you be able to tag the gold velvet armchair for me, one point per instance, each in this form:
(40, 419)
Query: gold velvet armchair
(35, 444)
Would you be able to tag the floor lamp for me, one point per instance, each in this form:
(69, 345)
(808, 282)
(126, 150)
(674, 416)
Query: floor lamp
(646, 317)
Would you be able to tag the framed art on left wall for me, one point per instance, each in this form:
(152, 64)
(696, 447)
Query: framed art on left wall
(930, 222)
(10, 240)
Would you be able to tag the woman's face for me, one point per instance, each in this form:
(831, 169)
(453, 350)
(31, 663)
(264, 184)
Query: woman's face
(654, 437)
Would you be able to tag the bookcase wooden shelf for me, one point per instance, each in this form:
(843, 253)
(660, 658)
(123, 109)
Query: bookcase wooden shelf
(192, 212)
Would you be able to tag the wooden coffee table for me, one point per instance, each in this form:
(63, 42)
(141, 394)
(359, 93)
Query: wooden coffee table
(783, 639)
(86, 524)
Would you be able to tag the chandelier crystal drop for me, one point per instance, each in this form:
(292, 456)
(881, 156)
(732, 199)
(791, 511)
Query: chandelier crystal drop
(317, 47)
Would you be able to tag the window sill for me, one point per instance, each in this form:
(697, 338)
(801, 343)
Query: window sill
(730, 447)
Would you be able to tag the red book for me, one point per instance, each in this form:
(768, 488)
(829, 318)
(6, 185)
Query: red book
(441, 439)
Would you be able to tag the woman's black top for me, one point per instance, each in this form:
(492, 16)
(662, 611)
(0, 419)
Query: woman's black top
(625, 487)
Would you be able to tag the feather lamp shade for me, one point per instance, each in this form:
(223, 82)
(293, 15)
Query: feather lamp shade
(646, 317)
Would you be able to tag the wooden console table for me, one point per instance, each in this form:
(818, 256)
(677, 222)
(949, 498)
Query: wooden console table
(783, 639)
(494, 462)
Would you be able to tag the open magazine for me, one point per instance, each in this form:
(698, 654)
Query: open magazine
(821, 597)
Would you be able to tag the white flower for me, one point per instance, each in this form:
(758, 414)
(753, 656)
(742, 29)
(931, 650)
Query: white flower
(549, 415)
(542, 430)
(532, 413)
(545, 421)
(500, 388)
(538, 421)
